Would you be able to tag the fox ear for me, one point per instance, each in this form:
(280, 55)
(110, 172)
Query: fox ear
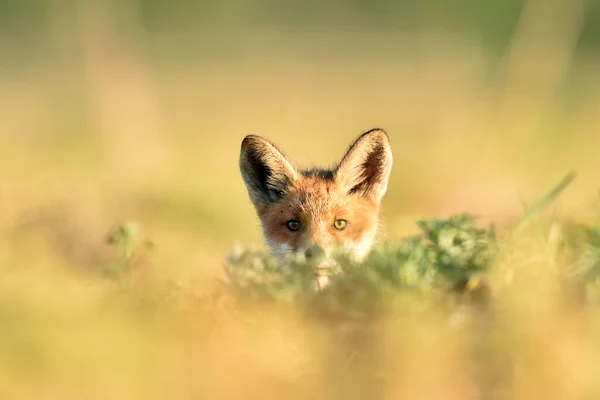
(366, 167)
(265, 170)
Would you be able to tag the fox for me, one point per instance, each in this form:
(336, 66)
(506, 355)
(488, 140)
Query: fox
(308, 211)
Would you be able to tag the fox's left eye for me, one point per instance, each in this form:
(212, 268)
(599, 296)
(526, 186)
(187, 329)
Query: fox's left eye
(293, 225)
(340, 224)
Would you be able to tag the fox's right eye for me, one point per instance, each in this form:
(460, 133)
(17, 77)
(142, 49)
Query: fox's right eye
(293, 225)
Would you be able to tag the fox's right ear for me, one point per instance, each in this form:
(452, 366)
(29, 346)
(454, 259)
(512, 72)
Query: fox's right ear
(366, 167)
(265, 170)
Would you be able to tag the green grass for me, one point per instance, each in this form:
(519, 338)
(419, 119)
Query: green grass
(448, 255)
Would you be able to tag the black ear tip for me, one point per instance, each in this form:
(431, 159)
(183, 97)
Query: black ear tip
(251, 140)
(378, 133)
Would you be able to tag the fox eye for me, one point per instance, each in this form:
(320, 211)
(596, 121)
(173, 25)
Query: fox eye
(340, 224)
(293, 225)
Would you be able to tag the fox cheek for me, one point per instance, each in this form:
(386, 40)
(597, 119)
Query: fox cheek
(280, 250)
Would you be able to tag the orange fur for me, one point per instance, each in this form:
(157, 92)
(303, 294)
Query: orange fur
(317, 198)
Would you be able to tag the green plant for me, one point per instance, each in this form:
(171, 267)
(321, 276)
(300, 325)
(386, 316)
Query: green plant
(445, 256)
(130, 249)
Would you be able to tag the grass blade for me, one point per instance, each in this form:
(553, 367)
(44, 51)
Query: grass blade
(541, 205)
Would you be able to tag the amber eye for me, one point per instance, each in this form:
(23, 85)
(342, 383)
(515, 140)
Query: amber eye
(340, 224)
(293, 225)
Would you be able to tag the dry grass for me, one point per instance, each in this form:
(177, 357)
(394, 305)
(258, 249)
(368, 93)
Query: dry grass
(113, 133)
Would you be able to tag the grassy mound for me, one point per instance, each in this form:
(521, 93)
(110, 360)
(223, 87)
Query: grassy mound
(450, 260)
(449, 255)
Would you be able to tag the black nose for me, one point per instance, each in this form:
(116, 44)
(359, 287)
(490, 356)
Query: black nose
(309, 253)
(314, 251)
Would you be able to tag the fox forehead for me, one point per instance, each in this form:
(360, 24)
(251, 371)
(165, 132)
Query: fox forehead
(313, 197)
(317, 203)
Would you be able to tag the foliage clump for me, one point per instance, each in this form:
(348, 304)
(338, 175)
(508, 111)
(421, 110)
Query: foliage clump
(447, 256)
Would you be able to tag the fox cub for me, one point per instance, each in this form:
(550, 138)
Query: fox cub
(303, 210)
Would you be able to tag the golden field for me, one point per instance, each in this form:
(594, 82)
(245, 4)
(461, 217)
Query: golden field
(104, 123)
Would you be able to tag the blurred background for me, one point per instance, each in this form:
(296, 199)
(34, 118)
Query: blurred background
(135, 110)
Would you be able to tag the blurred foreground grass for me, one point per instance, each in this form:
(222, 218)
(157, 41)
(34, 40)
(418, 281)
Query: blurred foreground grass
(455, 311)
(103, 122)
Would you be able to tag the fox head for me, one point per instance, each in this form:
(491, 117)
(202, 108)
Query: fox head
(301, 210)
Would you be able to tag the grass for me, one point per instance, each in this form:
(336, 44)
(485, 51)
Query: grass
(455, 310)
(470, 293)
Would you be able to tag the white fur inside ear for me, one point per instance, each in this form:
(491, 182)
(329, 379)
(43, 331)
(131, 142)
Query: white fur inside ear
(366, 167)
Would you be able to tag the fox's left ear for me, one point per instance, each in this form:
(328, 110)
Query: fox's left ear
(366, 167)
